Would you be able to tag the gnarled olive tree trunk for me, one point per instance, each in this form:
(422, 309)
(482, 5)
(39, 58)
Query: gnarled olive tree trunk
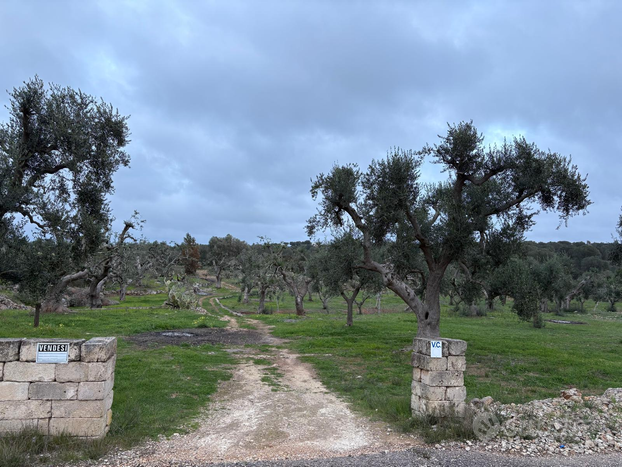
(350, 302)
(263, 290)
(53, 302)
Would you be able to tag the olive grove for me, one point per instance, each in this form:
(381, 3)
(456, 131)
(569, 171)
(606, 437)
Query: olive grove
(489, 191)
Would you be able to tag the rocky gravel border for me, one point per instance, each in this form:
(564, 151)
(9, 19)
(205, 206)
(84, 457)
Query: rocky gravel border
(569, 425)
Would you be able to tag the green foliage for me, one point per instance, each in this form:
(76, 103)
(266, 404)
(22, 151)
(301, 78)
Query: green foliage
(58, 153)
(336, 266)
(190, 255)
(221, 254)
(180, 296)
(491, 194)
(616, 254)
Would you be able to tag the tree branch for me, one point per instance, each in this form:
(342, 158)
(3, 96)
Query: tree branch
(388, 277)
(479, 181)
(25, 213)
(514, 202)
(424, 244)
(40, 173)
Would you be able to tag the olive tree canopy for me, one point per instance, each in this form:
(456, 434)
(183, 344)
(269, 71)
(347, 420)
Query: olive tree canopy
(58, 152)
(488, 191)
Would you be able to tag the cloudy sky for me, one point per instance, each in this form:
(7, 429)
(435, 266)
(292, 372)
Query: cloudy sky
(235, 106)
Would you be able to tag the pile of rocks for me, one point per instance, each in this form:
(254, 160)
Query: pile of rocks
(8, 304)
(141, 293)
(570, 424)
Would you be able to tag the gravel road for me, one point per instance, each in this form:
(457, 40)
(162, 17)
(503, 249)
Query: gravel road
(431, 458)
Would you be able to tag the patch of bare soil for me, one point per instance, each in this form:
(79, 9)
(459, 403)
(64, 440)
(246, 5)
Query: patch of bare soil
(199, 336)
(273, 407)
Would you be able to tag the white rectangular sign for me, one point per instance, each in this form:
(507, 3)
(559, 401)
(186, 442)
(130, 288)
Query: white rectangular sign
(436, 349)
(52, 352)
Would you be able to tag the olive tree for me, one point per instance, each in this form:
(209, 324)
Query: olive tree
(190, 255)
(258, 271)
(292, 264)
(221, 253)
(131, 265)
(58, 153)
(486, 189)
(337, 269)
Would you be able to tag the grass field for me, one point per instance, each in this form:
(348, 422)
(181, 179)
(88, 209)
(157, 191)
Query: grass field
(508, 359)
(160, 390)
(157, 391)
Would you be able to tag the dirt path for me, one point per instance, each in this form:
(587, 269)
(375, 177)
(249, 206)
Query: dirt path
(274, 407)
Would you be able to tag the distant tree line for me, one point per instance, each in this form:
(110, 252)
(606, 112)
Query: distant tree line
(462, 237)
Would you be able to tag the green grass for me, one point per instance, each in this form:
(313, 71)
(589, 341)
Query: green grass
(156, 300)
(108, 321)
(507, 358)
(157, 391)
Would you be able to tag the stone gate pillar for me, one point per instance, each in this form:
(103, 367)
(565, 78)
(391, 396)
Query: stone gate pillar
(41, 392)
(438, 377)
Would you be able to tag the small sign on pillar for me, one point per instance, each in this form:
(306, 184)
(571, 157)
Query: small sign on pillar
(436, 349)
(52, 352)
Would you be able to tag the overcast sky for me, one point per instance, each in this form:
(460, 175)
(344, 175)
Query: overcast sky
(235, 106)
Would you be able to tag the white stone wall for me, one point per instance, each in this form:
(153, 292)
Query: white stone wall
(438, 383)
(72, 398)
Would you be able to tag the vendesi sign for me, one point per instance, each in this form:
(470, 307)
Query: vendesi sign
(436, 349)
(53, 352)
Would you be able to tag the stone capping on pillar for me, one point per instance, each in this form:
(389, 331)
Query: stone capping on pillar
(438, 383)
(74, 398)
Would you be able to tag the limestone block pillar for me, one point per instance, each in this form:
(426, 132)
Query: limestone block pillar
(438, 381)
(72, 398)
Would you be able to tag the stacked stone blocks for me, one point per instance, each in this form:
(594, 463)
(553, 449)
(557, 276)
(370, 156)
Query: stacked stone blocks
(74, 398)
(438, 383)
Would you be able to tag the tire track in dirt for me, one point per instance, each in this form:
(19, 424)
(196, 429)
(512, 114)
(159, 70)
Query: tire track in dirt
(273, 407)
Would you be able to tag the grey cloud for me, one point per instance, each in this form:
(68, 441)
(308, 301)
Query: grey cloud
(237, 105)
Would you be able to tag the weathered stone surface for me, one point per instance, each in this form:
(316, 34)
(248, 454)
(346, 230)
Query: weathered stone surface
(93, 391)
(1, 370)
(421, 345)
(416, 374)
(99, 349)
(456, 363)
(11, 410)
(423, 362)
(25, 371)
(11, 391)
(9, 349)
(79, 409)
(91, 427)
(431, 393)
(85, 371)
(28, 351)
(442, 378)
(442, 408)
(17, 425)
(456, 347)
(415, 404)
(53, 391)
(108, 417)
(108, 400)
(456, 394)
